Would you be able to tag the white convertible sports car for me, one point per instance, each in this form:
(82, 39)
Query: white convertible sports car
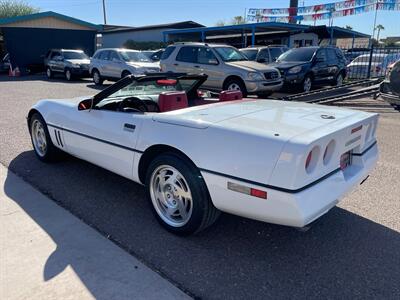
(199, 153)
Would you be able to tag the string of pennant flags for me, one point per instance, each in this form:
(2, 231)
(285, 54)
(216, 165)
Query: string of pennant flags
(320, 11)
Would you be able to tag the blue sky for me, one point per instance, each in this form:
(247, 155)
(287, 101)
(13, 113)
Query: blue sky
(207, 12)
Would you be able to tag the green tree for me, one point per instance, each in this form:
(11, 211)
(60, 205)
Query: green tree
(348, 27)
(14, 8)
(379, 28)
(220, 23)
(238, 20)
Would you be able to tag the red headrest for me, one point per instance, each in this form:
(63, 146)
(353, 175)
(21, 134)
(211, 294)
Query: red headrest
(230, 95)
(168, 101)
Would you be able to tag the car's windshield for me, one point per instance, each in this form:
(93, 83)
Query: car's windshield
(74, 55)
(154, 87)
(230, 54)
(297, 54)
(134, 56)
(251, 54)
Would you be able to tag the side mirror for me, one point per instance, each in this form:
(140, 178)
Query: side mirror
(85, 104)
(213, 61)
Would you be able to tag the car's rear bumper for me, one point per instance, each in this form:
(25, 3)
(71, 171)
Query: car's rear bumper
(263, 86)
(291, 208)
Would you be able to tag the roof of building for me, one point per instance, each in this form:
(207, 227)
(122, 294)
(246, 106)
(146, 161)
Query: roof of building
(269, 26)
(45, 14)
(177, 25)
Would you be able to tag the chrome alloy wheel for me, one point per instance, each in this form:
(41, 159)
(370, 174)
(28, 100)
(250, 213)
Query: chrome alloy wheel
(171, 196)
(234, 87)
(307, 84)
(39, 138)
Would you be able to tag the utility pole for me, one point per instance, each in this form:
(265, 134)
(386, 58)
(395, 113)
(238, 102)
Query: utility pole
(104, 12)
(376, 14)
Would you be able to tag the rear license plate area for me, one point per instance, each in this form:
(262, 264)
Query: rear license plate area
(345, 160)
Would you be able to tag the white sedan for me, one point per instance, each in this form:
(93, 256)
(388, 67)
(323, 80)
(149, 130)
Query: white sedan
(280, 162)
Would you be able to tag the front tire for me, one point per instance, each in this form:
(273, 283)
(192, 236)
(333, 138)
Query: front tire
(179, 195)
(41, 141)
(68, 74)
(307, 84)
(235, 84)
(49, 73)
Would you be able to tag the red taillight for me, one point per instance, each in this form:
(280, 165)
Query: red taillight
(258, 193)
(308, 160)
(358, 128)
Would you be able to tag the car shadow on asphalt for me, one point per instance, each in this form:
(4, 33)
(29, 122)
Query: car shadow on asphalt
(341, 256)
(43, 77)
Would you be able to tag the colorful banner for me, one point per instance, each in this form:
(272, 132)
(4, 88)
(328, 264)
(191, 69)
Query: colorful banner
(321, 12)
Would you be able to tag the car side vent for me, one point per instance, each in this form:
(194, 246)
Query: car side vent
(58, 138)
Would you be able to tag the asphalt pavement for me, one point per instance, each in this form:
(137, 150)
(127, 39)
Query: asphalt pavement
(352, 252)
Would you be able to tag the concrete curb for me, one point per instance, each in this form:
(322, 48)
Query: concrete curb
(47, 253)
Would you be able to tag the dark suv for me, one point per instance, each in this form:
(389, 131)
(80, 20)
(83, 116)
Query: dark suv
(308, 66)
(71, 63)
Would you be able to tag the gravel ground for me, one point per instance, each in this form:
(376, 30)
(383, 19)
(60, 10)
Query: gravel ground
(352, 252)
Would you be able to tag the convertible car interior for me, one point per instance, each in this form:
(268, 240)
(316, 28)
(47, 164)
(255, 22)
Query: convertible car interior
(156, 93)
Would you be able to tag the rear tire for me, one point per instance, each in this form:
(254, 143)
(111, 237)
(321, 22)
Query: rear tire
(97, 79)
(235, 84)
(41, 141)
(179, 196)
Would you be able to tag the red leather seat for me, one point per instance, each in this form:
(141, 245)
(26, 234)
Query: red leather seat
(230, 95)
(168, 101)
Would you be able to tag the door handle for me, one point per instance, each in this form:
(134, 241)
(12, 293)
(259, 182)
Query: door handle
(197, 67)
(129, 127)
(176, 64)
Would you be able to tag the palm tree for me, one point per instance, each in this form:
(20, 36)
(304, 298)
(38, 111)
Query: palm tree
(238, 20)
(379, 28)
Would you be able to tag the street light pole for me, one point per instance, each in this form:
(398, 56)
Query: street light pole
(104, 12)
(376, 14)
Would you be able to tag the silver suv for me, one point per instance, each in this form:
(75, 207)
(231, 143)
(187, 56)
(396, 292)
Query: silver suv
(71, 63)
(226, 67)
(114, 64)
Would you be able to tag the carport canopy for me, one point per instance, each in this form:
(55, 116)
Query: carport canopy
(252, 29)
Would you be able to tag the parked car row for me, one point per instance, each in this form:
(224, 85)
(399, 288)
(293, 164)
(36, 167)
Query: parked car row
(111, 64)
(259, 70)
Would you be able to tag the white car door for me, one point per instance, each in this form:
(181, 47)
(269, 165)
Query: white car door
(105, 138)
